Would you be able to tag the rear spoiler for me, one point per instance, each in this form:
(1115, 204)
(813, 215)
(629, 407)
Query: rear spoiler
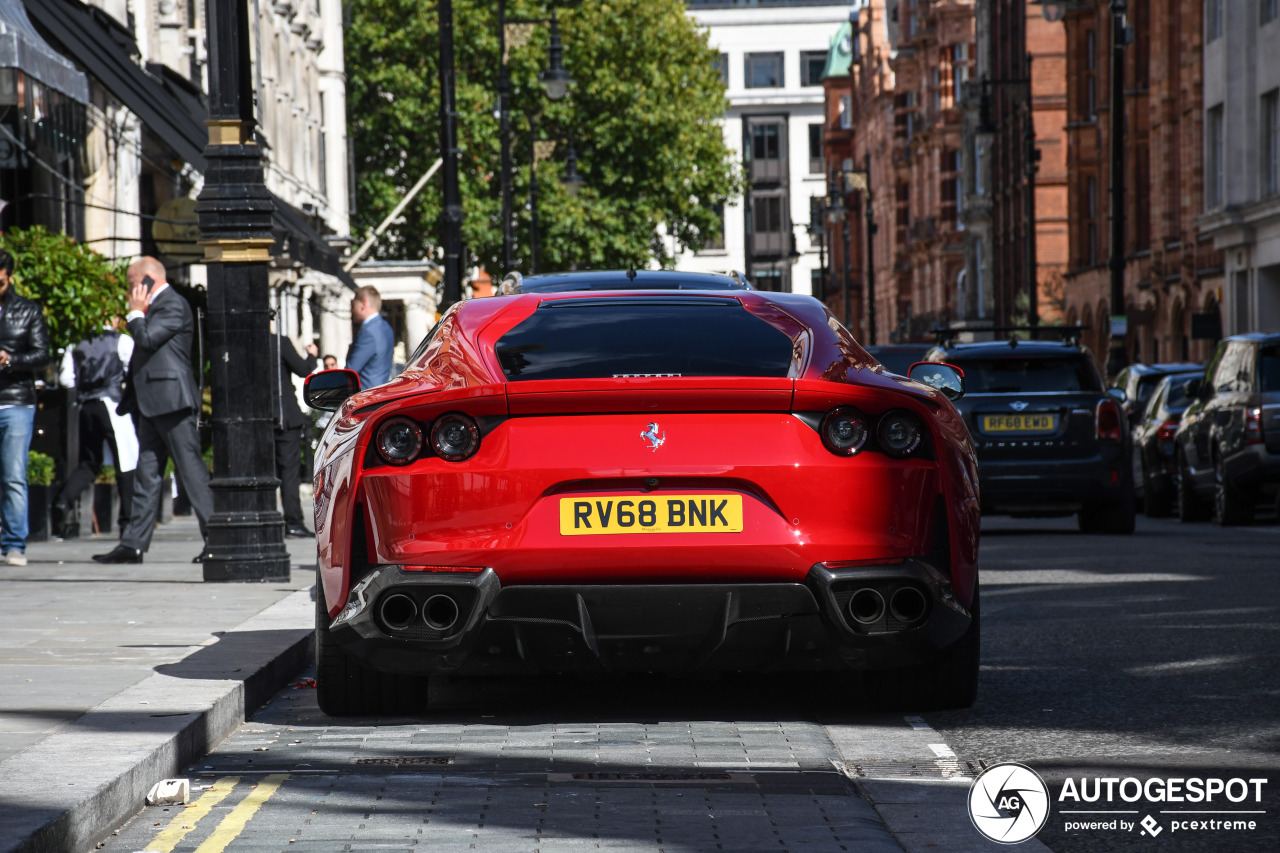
(945, 336)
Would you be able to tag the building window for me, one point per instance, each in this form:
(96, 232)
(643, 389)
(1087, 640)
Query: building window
(1271, 141)
(846, 112)
(979, 188)
(935, 90)
(1214, 19)
(764, 71)
(1214, 167)
(812, 64)
(959, 70)
(722, 65)
(815, 149)
(766, 150)
(1089, 207)
(1269, 9)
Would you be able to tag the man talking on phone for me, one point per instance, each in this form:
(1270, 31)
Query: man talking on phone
(160, 393)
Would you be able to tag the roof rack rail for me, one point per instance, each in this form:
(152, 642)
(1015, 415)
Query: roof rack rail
(1069, 334)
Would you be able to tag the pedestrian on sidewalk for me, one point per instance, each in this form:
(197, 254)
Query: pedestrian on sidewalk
(161, 394)
(24, 350)
(289, 433)
(370, 353)
(95, 367)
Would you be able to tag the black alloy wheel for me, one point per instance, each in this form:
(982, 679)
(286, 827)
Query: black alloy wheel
(1231, 504)
(1190, 506)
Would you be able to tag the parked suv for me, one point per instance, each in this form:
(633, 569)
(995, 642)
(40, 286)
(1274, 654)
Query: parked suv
(1138, 381)
(1050, 440)
(1228, 445)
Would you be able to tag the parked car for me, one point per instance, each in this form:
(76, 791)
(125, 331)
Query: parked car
(591, 480)
(1154, 472)
(1050, 440)
(1228, 444)
(898, 358)
(1139, 381)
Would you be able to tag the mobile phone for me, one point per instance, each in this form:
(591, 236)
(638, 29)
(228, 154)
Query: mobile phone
(149, 282)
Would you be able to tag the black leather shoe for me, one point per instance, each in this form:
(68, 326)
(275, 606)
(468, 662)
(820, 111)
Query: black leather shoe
(202, 557)
(299, 532)
(119, 554)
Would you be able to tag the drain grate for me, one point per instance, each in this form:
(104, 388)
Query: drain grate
(405, 760)
(924, 771)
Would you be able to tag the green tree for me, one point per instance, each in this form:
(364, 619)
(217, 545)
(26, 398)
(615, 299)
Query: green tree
(644, 118)
(79, 289)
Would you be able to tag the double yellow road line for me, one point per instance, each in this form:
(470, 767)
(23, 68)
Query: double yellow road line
(230, 827)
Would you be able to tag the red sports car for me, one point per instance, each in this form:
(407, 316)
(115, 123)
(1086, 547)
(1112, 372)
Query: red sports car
(644, 472)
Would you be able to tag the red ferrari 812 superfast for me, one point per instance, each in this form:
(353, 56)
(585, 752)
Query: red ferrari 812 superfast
(644, 472)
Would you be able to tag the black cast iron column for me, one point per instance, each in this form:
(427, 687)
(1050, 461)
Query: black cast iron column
(246, 532)
(452, 215)
(1030, 168)
(871, 258)
(1118, 356)
(504, 138)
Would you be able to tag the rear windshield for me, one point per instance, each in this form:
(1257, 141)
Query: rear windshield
(1027, 375)
(600, 339)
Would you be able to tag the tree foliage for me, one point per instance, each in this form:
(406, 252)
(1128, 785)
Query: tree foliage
(78, 288)
(644, 119)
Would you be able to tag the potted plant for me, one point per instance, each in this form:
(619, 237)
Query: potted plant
(40, 468)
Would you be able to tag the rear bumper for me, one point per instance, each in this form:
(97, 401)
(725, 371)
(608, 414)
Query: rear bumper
(1255, 467)
(650, 627)
(1033, 485)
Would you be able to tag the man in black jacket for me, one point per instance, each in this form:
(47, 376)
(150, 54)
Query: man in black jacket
(289, 434)
(24, 351)
(161, 395)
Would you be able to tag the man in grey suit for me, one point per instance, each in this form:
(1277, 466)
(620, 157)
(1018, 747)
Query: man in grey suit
(160, 393)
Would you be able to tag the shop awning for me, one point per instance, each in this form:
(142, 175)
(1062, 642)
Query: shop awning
(21, 47)
(96, 41)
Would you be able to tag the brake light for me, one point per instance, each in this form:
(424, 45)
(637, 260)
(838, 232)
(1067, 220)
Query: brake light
(1108, 421)
(1253, 426)
(1167, 429)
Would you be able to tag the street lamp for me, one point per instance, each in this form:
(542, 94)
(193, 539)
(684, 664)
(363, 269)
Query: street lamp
(556, 80)
(571, 180)
(1118, 355)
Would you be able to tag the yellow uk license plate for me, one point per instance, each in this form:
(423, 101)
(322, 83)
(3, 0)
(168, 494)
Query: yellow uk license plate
(664, 514)
(1018, 423)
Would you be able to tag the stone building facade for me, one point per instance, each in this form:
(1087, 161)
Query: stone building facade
(1241, 156)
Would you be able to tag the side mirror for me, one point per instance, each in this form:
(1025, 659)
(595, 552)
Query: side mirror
(947, 378)
(328, 389)
(1118, 394)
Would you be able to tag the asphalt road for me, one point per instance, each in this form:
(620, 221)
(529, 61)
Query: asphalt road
(1148, 656)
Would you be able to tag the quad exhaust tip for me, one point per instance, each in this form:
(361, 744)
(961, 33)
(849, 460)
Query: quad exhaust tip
(907, 604)
(866, 606)
(398, 611)
(440, 613)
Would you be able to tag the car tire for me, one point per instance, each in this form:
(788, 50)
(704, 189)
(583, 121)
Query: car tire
(1158, 501)
(1109, 518)
(1190, 505)
(949, 681)
(1231, 505)
(346, 687)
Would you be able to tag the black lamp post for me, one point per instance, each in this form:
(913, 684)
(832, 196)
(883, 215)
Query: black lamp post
(246, 532)
(452, 215)
(1118, 356)
(556, 80)
(838, 215)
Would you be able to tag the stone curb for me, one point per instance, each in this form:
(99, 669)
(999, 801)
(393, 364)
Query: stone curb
(75, 787)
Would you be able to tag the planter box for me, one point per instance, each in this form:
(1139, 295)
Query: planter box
(39, 501)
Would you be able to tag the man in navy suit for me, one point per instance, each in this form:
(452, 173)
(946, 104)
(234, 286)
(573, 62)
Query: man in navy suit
(370, 353)
(161, 394)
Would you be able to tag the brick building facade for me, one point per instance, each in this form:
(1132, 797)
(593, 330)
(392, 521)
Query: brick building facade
(1171, 272)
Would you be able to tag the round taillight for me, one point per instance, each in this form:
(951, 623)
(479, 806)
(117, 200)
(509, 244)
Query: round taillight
(399, 441)
(899, 433)
(455, 437)
(844, 431)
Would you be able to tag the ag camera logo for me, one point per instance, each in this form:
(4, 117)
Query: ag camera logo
(1009, 803)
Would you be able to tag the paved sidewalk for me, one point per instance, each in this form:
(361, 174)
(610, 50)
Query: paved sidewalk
(114, 677)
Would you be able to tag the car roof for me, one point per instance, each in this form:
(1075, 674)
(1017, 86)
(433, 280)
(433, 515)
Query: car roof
(622, 280)
(1257, 337)
(1181, 367)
